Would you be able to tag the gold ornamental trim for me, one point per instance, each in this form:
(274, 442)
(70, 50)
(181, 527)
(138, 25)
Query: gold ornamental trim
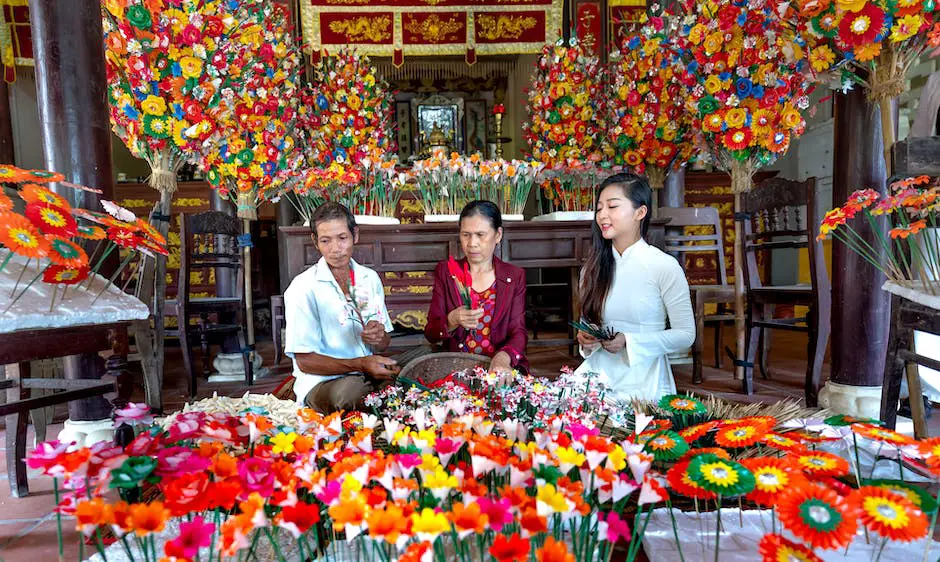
(433, 28)
(414, 319)
(363, 28)
(505, 27)
(310, 22)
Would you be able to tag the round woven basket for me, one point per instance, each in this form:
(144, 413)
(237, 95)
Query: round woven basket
(430, 368)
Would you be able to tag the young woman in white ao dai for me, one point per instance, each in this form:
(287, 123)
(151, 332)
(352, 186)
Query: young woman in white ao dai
(633, 289)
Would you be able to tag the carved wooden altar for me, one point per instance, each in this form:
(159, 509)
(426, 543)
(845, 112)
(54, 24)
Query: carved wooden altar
(405, 256)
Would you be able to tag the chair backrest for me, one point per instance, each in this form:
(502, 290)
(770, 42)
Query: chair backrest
(209, 245)
(711, 241)
(781, 214)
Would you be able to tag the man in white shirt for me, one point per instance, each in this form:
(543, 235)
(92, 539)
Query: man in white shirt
(337, 323)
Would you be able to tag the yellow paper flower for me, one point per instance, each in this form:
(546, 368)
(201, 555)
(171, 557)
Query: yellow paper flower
(153, 105)
(440, 479)
(735, 118)
(429, 522)
(191, 67)
(712, 84)
(906, 27)
(283, 443)
(822, 58)
(850, 5)
(552, 498)
(865, 53)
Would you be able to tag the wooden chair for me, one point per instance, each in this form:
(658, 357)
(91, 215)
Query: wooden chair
(209, 244)
(720, 294)
(781, 214)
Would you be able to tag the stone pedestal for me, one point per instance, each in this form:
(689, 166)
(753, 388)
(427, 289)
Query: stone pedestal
(858, 401)
(230, 367)
(87, 433)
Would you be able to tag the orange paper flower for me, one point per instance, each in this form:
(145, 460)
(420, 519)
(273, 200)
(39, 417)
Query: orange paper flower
(819, 516)
(35, 193)
(18, 234)
(890, 515)
(65, 252)
(821, 463)
(774, 548)
(146, 518)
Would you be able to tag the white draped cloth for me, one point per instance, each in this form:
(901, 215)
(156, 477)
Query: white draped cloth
(649, 287)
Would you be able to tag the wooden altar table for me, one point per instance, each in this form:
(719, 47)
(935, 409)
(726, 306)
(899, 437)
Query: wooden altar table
(29, 332)
(405, 256)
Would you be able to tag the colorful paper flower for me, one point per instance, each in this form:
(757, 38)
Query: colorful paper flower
(739, 435)
(783, 443)
(685, 405)
(681, 481)
(775, 548)
(819, 516)
(20, 235)
(693, 433)
(720, 476)
(772, 476)
(91, 232)
(66, 253)
(35, 193)
(665, 445)
(6, 204)
(890, 515)
(821, 463)
(882, 435)
(51, 220)
(12, 174)
(912, 492)
(61, 275)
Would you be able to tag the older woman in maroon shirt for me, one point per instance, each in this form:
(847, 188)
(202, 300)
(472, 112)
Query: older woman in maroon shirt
(496, 326)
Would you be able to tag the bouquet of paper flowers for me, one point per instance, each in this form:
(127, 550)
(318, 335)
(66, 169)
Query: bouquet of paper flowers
(352, 110)
(569, 188)
(260, 143)
(448, 486)
(39, 226)
(912, 206)
(565, 106)
(649, 129)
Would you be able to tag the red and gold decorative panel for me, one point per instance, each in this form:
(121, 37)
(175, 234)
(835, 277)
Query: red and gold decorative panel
(588, 24)
(16, 41)
(399, 28)
(621, 14)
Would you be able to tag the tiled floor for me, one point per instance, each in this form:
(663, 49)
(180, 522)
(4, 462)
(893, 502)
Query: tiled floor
(28, 526)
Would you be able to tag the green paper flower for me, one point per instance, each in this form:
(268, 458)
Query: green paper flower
(707, 105)
(64, 249)
(720, 476)
(549, 473)
(684, 405)
(665, 445)
(213, 177)
(132, 472)
(157, 126)
(820, 515)
(246, 157)
(139, 17)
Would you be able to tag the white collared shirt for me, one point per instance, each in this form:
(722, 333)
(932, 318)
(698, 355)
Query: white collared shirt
(648, 287)
(319, 319)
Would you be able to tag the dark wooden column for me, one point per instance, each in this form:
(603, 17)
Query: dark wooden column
(861, 311)
(673, 194)
(6, 125)
(73, 113)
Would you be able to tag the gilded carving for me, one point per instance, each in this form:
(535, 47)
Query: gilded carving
(347, 2)
(499, 27)
(414, 319)
(364, 28)
(433, 29)
(416, 274)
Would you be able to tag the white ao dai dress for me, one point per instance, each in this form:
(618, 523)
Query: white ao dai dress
(649, 286)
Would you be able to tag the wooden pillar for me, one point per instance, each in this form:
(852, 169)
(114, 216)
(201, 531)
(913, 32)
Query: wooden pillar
(7, 154)
(861, 310)
(673, 192)
(71, 90)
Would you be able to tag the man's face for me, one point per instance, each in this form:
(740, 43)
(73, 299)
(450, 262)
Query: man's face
(335, 242)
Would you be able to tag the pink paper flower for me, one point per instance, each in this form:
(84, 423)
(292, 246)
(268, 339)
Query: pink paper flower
(47, 454)
(177, 461)
(193, 535)
(617, 528)
(186, 426)
(256, 476)
(498, 512)
(133, 414)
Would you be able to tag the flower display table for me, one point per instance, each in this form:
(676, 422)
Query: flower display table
(30, 332)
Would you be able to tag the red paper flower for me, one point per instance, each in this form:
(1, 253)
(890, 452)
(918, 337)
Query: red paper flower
(124, 237)
(51, 220)
(62, 275)
(462, 280)
(774, 548)
(514, 548)
(818, 515)
(861, 27)
(680, 481)
(737, 139)
(695, 432)
(890, 515)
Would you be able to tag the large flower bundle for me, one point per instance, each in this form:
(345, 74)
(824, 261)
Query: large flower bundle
(649, 129)
(913, 205)
(166, 66)
(565, 106)
(754, 81)
(372, 186)
(446, 183)
(260, 140)
(566, 109)
(49, 231)
(352, 110)
(468, 488)
(881, 38)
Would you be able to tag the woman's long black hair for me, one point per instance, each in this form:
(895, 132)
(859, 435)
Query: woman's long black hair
(598, 272)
